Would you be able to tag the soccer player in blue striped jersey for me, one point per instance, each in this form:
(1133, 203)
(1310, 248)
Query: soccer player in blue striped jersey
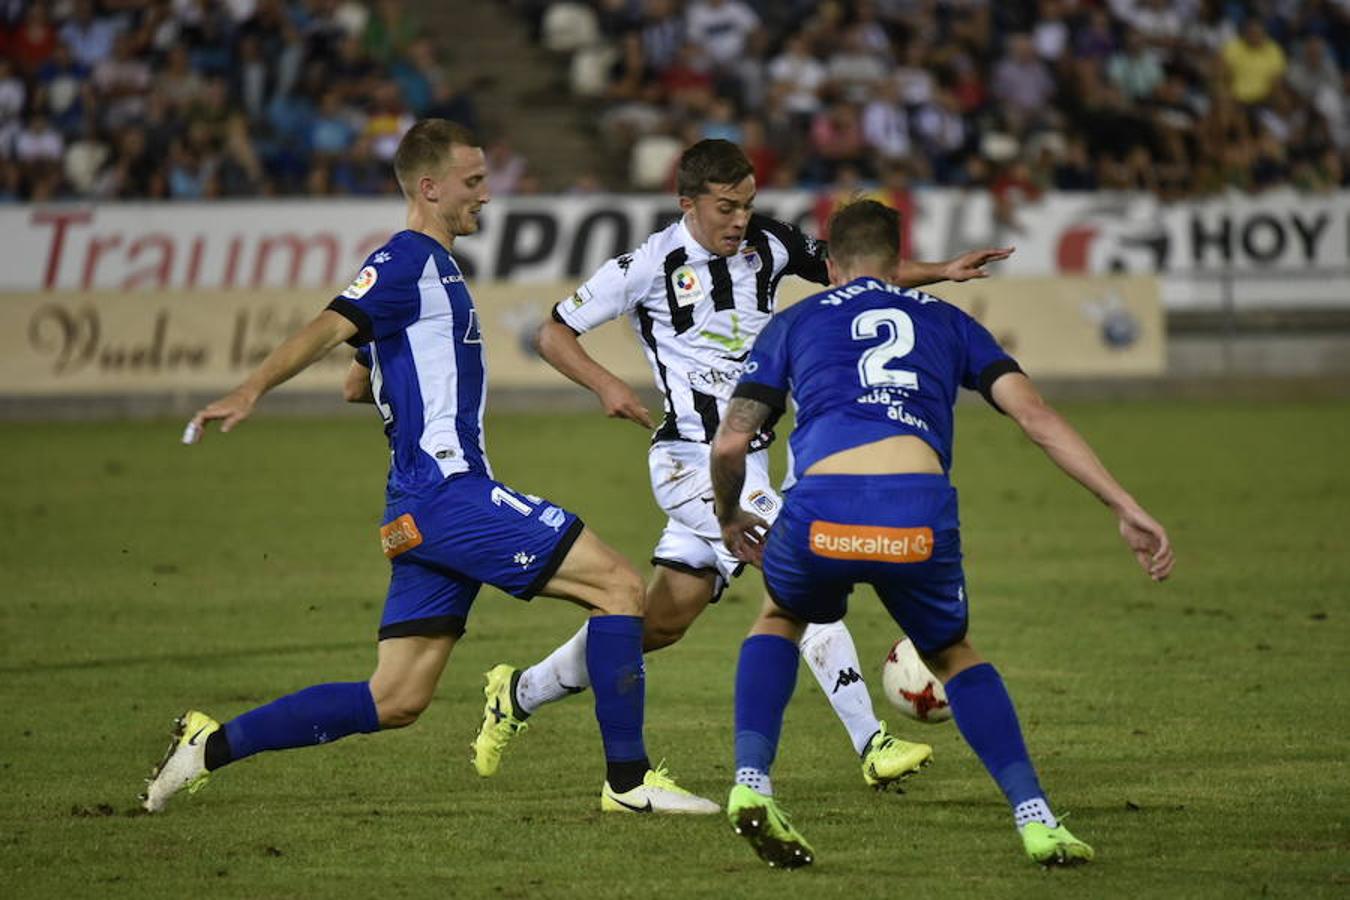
(873, 370)
(448, 526)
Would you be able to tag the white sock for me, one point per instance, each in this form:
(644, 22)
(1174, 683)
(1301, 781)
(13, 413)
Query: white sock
(755, 780)
(1036, 810)
(829, 651)
(561, 674)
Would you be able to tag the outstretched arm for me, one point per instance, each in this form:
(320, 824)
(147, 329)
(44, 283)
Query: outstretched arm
(292, 356)
(913, 273)
(742, 532)
(559, 346)
(1146, 538)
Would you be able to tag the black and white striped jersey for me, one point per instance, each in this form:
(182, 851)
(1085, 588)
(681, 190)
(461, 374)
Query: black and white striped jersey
(695, 312)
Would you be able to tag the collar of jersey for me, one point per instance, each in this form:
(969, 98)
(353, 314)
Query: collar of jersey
(693, 250)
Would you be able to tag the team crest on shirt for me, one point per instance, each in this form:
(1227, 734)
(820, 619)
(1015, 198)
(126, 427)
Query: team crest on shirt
(361, 285)
(762, 503)
(687, 289)
(751, 257)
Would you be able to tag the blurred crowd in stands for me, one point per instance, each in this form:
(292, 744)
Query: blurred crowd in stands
(189, 99)
(1184, 98)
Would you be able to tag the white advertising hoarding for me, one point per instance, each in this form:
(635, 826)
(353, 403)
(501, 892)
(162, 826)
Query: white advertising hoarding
(1277, 249)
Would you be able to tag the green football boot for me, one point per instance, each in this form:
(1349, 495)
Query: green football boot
(887, 761)
(757, 818)
(1054, 846)
(500, 719)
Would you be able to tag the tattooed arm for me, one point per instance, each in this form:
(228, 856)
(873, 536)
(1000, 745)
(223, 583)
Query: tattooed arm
(742, 532)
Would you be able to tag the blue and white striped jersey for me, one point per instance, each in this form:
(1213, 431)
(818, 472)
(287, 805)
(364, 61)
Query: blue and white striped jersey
(416, 322)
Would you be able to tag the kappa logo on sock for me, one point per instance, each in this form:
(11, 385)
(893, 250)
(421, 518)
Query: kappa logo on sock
(399, 536)
(846, 677)
(878, 543)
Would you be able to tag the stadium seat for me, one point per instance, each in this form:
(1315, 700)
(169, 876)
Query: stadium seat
(653, 157)
(568, 27)
(590, 70)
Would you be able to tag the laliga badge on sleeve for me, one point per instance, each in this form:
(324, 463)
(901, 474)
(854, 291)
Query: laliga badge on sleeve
(361, 285)
(687, 289)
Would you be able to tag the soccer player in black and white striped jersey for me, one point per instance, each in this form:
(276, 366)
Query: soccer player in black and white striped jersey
(697, 294)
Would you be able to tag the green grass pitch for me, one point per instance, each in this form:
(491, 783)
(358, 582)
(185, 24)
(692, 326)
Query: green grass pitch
(1198, 732)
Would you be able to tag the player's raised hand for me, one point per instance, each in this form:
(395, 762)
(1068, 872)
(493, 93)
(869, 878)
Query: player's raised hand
(621, 402)
(971, 265)
(744, 536)
(1147, 539)
(229, 410)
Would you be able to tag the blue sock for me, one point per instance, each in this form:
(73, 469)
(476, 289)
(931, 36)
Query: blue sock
(316, 715)
(984, 713)
(765, 678)
(614, 662)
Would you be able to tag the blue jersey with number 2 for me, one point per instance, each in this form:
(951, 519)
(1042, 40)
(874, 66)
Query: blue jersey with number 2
(867, 361)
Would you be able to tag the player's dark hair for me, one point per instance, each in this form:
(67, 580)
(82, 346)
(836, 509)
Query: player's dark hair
(426, 147)
(711, 161)
(865, 229)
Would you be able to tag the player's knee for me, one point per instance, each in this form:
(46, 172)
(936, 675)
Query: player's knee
(661, 633)
(401, 708)
(952, 660)
(624, 592)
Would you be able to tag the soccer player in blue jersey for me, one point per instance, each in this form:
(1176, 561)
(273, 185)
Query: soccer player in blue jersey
(873, 371)
(449, 526)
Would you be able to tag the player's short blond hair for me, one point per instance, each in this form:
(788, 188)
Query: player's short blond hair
(426, 148)
(865, 229)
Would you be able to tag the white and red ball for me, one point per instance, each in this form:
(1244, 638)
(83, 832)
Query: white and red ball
(911, 688)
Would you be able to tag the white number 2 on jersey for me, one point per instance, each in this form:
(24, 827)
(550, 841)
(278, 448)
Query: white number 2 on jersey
(872, 365)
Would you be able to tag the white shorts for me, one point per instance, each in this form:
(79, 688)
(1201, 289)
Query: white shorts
(682, 485)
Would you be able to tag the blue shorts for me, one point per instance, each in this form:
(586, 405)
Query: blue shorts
(469, 530)
(898, 533)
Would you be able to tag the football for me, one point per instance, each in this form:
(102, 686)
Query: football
(911, 688)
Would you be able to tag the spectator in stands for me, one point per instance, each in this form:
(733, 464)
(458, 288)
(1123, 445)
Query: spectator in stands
(1135, 67)
(123, 83)
(13, 93)
(390, 31)
(721, 27)
(854, 69)
(837, 141)
(38, 144)
(661, 35)
(885, 124)
(34, 41)
(1023, 85)
(1255, 63)
(798, 77)
(1051, 34)
(944, 135)
(89, 37)
(1095, 39)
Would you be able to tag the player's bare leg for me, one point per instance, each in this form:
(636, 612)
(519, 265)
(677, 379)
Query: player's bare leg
(406, 675)
(674, 600)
